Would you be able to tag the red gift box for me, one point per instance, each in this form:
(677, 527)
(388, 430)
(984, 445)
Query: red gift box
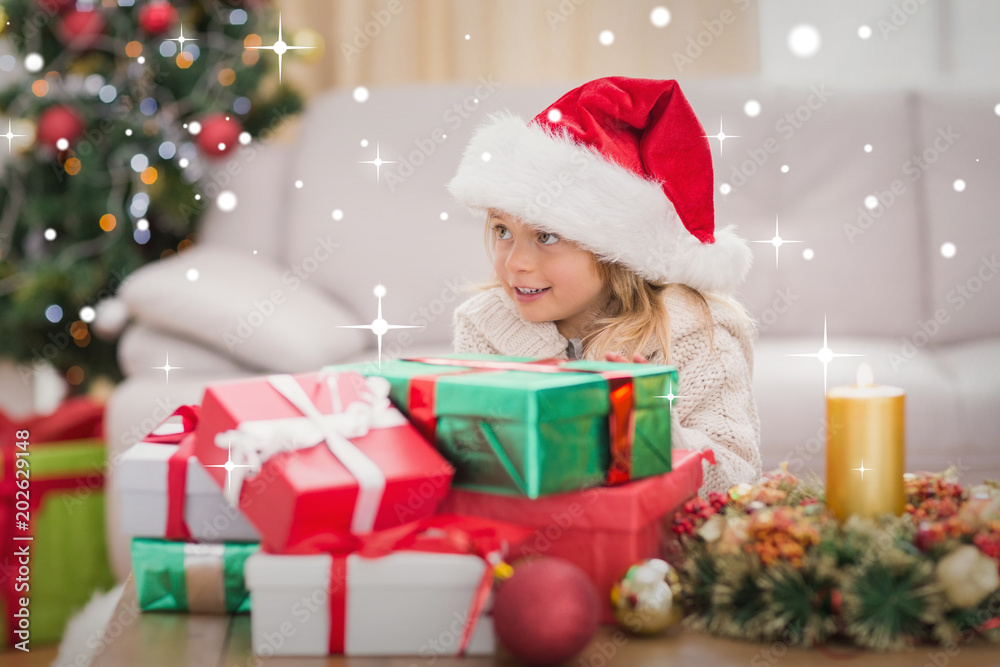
(603, 530)
(342, 434)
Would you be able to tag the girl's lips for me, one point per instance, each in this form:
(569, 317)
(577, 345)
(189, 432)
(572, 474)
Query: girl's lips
(528, 298)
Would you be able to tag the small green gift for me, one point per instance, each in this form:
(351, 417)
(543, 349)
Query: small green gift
(191, 576)
(51, 520)
(522, 426)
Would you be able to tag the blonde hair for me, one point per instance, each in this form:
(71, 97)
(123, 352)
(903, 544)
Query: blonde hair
(635, 312)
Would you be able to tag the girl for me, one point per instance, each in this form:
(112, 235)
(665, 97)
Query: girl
(601, 226)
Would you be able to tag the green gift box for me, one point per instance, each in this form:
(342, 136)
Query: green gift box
(532, 428)
(191, 577)
(57, 534)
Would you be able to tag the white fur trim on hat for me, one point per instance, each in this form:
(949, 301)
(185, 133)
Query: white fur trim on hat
(569, 189)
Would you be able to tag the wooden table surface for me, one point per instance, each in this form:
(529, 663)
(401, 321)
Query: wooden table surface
(154, 639)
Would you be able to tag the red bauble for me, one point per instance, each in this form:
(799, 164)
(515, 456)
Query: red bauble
(216, 131)
(80, 30)
(57, 123)
(157, 17)
(548, 611)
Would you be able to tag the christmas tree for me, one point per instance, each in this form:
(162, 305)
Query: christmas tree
(123, 108)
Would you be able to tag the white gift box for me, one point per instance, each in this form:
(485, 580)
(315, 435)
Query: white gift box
(406, 603)
(142, 484)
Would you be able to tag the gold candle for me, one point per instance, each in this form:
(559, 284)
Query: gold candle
(865, 448)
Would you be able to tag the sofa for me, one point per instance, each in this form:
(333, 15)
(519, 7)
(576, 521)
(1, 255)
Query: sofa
(871, 214)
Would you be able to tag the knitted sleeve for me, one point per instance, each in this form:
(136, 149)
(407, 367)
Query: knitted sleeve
(716, 408)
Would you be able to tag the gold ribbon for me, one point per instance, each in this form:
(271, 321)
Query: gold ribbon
(204, 578)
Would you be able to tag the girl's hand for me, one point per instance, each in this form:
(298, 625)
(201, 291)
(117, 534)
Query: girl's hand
(636, 358)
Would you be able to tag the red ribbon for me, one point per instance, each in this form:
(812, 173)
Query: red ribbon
(75, 419)
(177, 528)
(421, 401)
(189, 420)
(443, 533)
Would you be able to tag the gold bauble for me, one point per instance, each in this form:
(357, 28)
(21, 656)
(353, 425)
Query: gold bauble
(647, 599)
(967, 576)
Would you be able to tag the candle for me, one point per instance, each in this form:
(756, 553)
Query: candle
(865, 448)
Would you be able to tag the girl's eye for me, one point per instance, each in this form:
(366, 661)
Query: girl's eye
(500, 230)
(547, 238)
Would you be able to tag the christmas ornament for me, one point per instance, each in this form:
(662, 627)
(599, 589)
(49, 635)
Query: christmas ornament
(80, 30)
(58, 122)
(157, 17)
(547, 612)
(967, 576)
(219, 136)
(647, 600)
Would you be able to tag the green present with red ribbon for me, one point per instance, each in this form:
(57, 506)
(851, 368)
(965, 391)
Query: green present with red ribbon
(51, 520)
(533, 427)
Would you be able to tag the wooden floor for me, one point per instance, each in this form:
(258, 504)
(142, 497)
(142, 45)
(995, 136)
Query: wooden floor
(151, 640)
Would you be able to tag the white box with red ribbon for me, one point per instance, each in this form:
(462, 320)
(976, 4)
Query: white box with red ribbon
(420, 589)
(407, 603)
(165, 493)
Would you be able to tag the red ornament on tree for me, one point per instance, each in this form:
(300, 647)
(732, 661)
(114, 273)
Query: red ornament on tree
(548, 611)
(57, 123)
(80, 30)
(157, 17)
(219, 136)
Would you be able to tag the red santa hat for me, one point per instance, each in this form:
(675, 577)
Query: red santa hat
(621, 166)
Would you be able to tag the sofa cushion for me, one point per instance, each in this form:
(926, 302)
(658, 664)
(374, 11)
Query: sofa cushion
(246, 308)
(958, 137)
(142, 349)
(251, 173)
(820, 133)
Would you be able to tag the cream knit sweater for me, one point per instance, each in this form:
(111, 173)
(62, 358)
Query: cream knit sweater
(716, 408)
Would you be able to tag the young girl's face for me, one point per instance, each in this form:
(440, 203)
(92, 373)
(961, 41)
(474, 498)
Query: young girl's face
(527, 259)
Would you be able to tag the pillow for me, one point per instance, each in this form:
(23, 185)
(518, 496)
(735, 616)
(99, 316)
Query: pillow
(142, 349)
(244, 306)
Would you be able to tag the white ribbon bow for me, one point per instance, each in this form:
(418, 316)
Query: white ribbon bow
(252, 443)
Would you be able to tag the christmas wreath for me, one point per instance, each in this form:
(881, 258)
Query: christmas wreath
(770, 563)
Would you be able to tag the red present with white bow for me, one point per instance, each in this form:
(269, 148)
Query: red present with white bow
(422, 589)
(317, 455)
(165, 493)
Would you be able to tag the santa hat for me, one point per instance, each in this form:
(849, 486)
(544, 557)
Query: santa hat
(622, 167)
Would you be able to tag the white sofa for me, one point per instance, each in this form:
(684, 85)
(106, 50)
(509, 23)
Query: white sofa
(280, 273)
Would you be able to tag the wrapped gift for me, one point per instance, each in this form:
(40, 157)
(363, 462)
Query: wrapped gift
(166, 493)
(313, 455)
(527, 427)
(191, 576)
(425, 596)
(603, 530)
(51, 520)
